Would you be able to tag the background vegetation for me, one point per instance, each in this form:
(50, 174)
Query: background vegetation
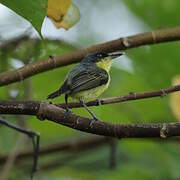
(152, 67)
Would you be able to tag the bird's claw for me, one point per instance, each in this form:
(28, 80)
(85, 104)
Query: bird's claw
(92, 122)
(68, 111)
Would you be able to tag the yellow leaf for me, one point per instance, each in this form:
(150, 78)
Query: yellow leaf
(175, 99)
(63, 13)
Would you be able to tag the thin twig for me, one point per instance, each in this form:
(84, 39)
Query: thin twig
(154, 37)
(131, 96)
(17, 128)
(33, 106)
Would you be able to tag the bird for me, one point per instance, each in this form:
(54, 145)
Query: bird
(87, 80)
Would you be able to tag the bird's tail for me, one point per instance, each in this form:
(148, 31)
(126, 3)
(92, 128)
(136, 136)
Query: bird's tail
(54, 94)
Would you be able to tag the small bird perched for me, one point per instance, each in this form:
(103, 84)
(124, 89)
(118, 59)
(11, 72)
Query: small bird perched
(87, 80)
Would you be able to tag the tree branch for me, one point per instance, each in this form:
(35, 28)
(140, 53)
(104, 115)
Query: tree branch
(43, 110)
(131, 96)
(154, 37)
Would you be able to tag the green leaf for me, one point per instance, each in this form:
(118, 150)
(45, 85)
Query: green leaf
(33, 11)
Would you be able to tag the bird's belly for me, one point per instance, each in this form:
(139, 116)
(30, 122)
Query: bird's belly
(91, 94)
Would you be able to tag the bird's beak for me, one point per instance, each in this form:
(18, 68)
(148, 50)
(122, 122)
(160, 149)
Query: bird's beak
(115, 54)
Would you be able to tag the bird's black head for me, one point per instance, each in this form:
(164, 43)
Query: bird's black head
(99, 56)
(95, 57)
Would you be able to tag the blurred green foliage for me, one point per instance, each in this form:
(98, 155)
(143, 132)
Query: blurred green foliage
(156, 14)
(154, 67)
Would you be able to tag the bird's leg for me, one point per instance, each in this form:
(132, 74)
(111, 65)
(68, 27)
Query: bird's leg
(90, 112)
(66, 101)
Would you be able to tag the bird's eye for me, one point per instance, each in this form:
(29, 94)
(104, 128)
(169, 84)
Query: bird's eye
(99, 55)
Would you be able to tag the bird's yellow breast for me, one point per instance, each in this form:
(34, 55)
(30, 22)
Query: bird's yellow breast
(94, 93)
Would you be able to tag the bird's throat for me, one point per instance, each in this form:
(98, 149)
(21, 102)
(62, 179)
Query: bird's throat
(105, 64)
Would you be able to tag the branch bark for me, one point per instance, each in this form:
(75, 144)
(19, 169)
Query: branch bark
(43, 110)
(154, 37)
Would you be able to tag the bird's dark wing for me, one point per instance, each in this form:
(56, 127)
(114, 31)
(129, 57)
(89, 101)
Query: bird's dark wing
(88, 79)
(80, 78)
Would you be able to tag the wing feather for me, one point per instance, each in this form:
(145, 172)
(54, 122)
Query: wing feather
(86, 80)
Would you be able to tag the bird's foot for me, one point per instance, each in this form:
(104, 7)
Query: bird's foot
(95, 119)
(68, 111)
